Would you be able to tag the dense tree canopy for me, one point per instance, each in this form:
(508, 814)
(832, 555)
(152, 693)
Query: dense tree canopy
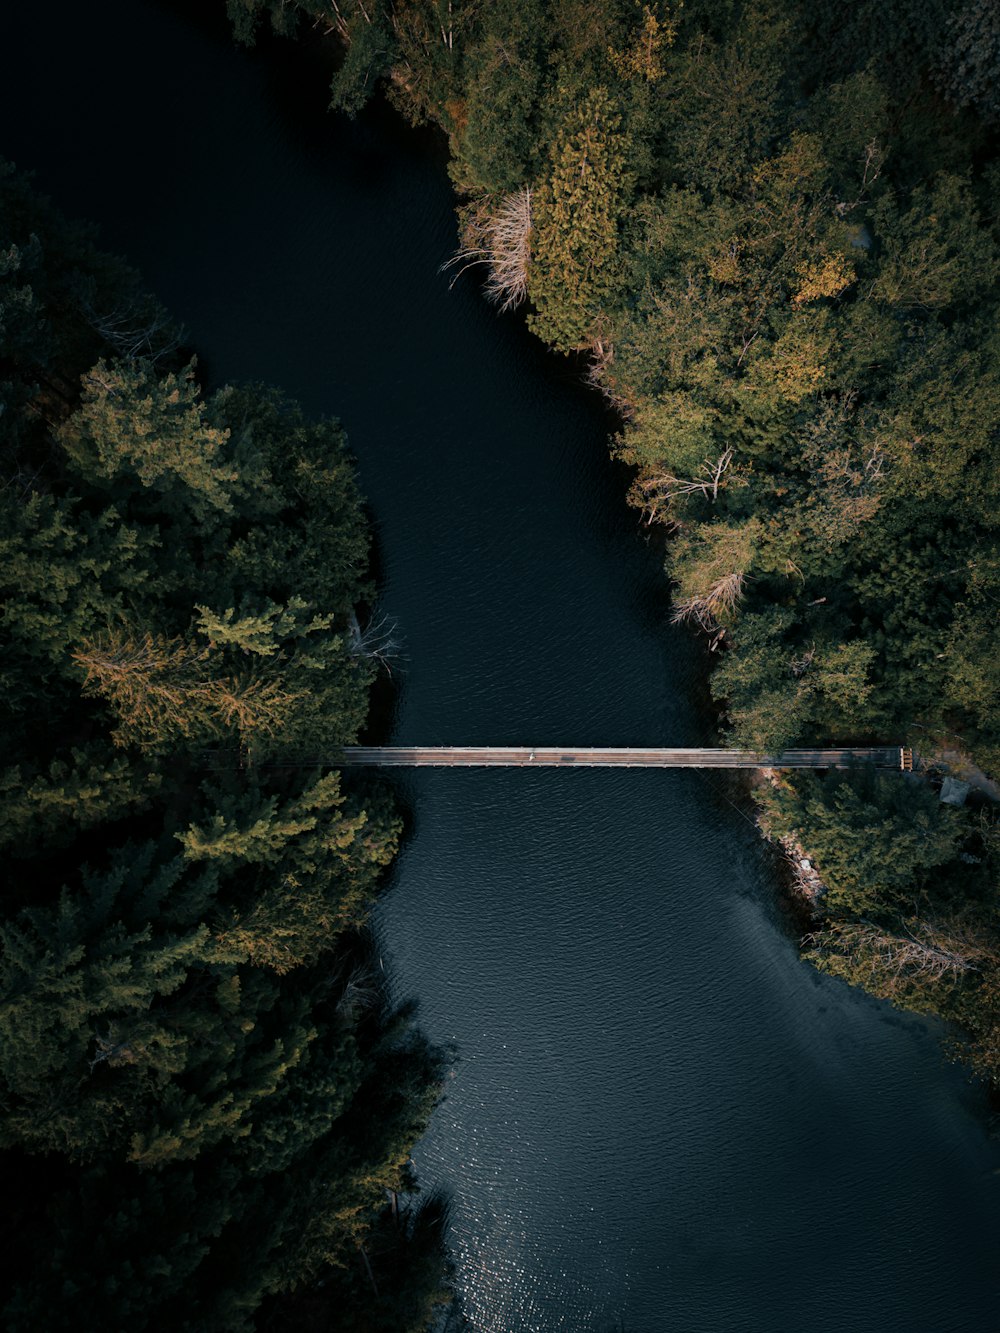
(198, 1071)
(771, 227)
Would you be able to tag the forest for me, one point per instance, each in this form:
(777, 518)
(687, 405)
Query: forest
(767, 234)
(767, 231)
(198, 1068)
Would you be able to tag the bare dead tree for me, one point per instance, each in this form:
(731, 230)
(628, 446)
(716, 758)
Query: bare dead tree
(500, 237)
(22, 480)
(368, 1269)
(361, 992)
(722, 597)
(602, 353)
(853, 473)
(112, 1052)
(656, 489)
(800, 665)
(136, 329)
(870, 172)
(748, 342)
(376, 640)
(339, 24)
(921, 950)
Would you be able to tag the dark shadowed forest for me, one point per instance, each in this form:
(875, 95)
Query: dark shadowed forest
(767, 234)
(199, 1069)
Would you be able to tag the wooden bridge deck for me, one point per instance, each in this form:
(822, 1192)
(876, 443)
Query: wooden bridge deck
(489, 756)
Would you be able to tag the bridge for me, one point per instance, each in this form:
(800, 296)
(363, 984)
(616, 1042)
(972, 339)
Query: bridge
(490, 756)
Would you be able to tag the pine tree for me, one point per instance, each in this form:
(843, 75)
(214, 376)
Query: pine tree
(577, 212)
(185, 1030)
(152, 683)
(134, 423)
(89, 787)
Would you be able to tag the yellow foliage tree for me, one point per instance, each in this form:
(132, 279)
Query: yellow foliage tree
(643, 58)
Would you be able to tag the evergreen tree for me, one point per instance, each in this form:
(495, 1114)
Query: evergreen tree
(195, 1073)
(135, 422)
(577, 213)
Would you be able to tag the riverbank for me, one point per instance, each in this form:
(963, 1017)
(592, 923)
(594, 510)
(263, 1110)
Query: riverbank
(787, 423)
(251, 1070)
(601, 948)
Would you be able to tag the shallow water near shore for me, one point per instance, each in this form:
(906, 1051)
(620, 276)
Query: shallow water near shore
(658, 1118)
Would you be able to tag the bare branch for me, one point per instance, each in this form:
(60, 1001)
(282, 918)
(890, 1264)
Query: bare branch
(921, 950)
(653, 491)
(375, 640)
(723, 596)
(136, 329)
(499, 238)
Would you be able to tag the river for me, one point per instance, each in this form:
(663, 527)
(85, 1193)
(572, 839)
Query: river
(658, 1119)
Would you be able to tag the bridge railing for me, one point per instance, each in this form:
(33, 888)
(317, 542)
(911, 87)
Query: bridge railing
(886, 757)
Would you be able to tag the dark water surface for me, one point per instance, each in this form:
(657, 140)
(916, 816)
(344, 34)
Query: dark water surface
(660, 1119)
